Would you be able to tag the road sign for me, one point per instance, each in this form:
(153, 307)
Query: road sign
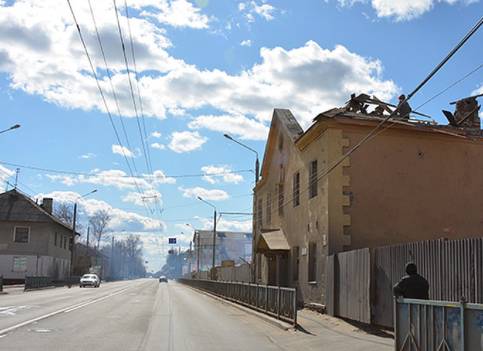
(172, 240)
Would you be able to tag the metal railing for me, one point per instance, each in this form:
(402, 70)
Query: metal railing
(429, 325)
(278, 302)
(37, 282)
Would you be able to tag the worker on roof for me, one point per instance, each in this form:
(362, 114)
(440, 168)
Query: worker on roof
(403, 108)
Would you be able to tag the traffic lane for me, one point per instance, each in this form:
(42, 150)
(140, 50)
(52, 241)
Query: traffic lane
(17, 308)
(116, 323)
(185, 319)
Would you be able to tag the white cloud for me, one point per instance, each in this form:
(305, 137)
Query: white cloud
(214, 173)
(156, 134)
(261, 9)
(158, 146)
(87, 156)
(122, 150)
(178, 13)
(403, 10)
(116, 178)
(45, 57)
(228, 225)
(5, 173)
(186, 141)
(246, 42)
(140, 199)
(120, 219)
(241, 126)
(205, 194)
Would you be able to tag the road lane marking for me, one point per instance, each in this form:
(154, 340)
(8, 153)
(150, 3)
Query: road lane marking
(4, 331)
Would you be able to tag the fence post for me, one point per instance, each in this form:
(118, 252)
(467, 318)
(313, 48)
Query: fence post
(295, 307)
(396, 326)
(462, 325)
(266, 298)
(278, 301)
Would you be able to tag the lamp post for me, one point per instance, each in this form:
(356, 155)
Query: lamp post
(257, 171)
(15, 126)
(191, 248)
(257, 163)
(74, 220)
(214, 236)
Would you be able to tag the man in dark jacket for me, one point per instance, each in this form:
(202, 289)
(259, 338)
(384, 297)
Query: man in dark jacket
(412, 286)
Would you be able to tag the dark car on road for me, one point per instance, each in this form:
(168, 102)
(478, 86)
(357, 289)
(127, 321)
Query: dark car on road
(163, 279)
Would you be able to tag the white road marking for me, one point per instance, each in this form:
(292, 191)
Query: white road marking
(11, 310)
(62, 310)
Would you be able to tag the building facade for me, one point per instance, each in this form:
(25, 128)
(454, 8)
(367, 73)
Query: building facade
(413, 181)
(33, 242)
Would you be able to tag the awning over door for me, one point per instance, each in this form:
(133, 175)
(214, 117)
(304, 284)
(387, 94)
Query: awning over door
(272, 241)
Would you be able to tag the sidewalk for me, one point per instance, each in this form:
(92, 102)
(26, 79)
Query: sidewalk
(322, 332)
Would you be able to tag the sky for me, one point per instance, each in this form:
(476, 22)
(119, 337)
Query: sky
(200, 69)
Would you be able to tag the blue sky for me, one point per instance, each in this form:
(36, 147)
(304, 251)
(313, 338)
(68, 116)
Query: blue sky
(205, 68)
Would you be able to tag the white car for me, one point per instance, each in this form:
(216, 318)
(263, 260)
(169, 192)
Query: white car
(91, 280)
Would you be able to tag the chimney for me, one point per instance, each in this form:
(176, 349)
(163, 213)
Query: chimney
(47, 204)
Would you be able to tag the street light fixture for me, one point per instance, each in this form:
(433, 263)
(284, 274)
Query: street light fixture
(257, 163)
(214, 235)
(15, 126)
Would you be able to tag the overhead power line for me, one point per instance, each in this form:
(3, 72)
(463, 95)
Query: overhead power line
(93, 70)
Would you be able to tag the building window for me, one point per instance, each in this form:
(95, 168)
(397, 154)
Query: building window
(280, 142)
(55, 239)
(259, 213)
(312, 271)
(268, 216)
(296, 189)
(19, 264)
(65, 242)
(60, 243)
(21, 234)
(281, 197)
(313, 179)
(295, 263)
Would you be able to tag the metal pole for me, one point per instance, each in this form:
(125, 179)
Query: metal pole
(112, 257)
(214, 246)
(74, 219)
(190, 258)
(198, 255)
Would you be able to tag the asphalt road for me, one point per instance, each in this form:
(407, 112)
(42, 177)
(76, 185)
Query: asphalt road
(147, 315)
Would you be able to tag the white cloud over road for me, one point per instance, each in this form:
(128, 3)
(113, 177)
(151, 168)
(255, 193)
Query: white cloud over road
(403, 10)
(186, 141)
(217, 173)
(122, 150)
(205, 194)
(46, 59)
(252, 9)
(176, 13)
(241, 126)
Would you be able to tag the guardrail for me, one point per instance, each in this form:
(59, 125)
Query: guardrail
(278, 302)
(428, 325)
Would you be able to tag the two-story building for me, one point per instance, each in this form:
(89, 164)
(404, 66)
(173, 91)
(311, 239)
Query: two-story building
(412, 181)
(33, 242)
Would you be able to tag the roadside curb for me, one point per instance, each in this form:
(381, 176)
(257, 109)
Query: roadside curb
(275, 322)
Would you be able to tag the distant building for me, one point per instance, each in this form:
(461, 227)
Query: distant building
(89, 260)
(230, 246)
(413, 181)
(33, 242)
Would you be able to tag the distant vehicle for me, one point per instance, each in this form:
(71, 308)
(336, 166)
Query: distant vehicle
(163, 279)
(90, 280)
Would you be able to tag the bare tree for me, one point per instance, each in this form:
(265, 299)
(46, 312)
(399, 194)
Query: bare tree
(64, 212)
(99, 222)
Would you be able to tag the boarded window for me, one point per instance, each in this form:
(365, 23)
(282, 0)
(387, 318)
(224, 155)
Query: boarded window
(281, 199)
(259, 213)
(60, 243)
(312, 269)
(313, 181)
(65, 242)
(259, 266)
(21, 235)
(295, 263)
(19, 264)
(296, 189)
(55, 239)
(268, 216)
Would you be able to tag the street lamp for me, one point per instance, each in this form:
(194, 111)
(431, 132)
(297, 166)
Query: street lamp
(257, 170)
(214, 235)
(74, 220)
(15, 126)
(257, 163)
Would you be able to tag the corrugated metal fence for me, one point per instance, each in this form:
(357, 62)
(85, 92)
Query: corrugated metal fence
(360, 282)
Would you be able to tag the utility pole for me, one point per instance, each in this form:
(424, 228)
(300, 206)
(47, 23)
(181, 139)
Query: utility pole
(198, 254)
(190, 258)
(112, 257)
(17, 171)
(214, 246)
